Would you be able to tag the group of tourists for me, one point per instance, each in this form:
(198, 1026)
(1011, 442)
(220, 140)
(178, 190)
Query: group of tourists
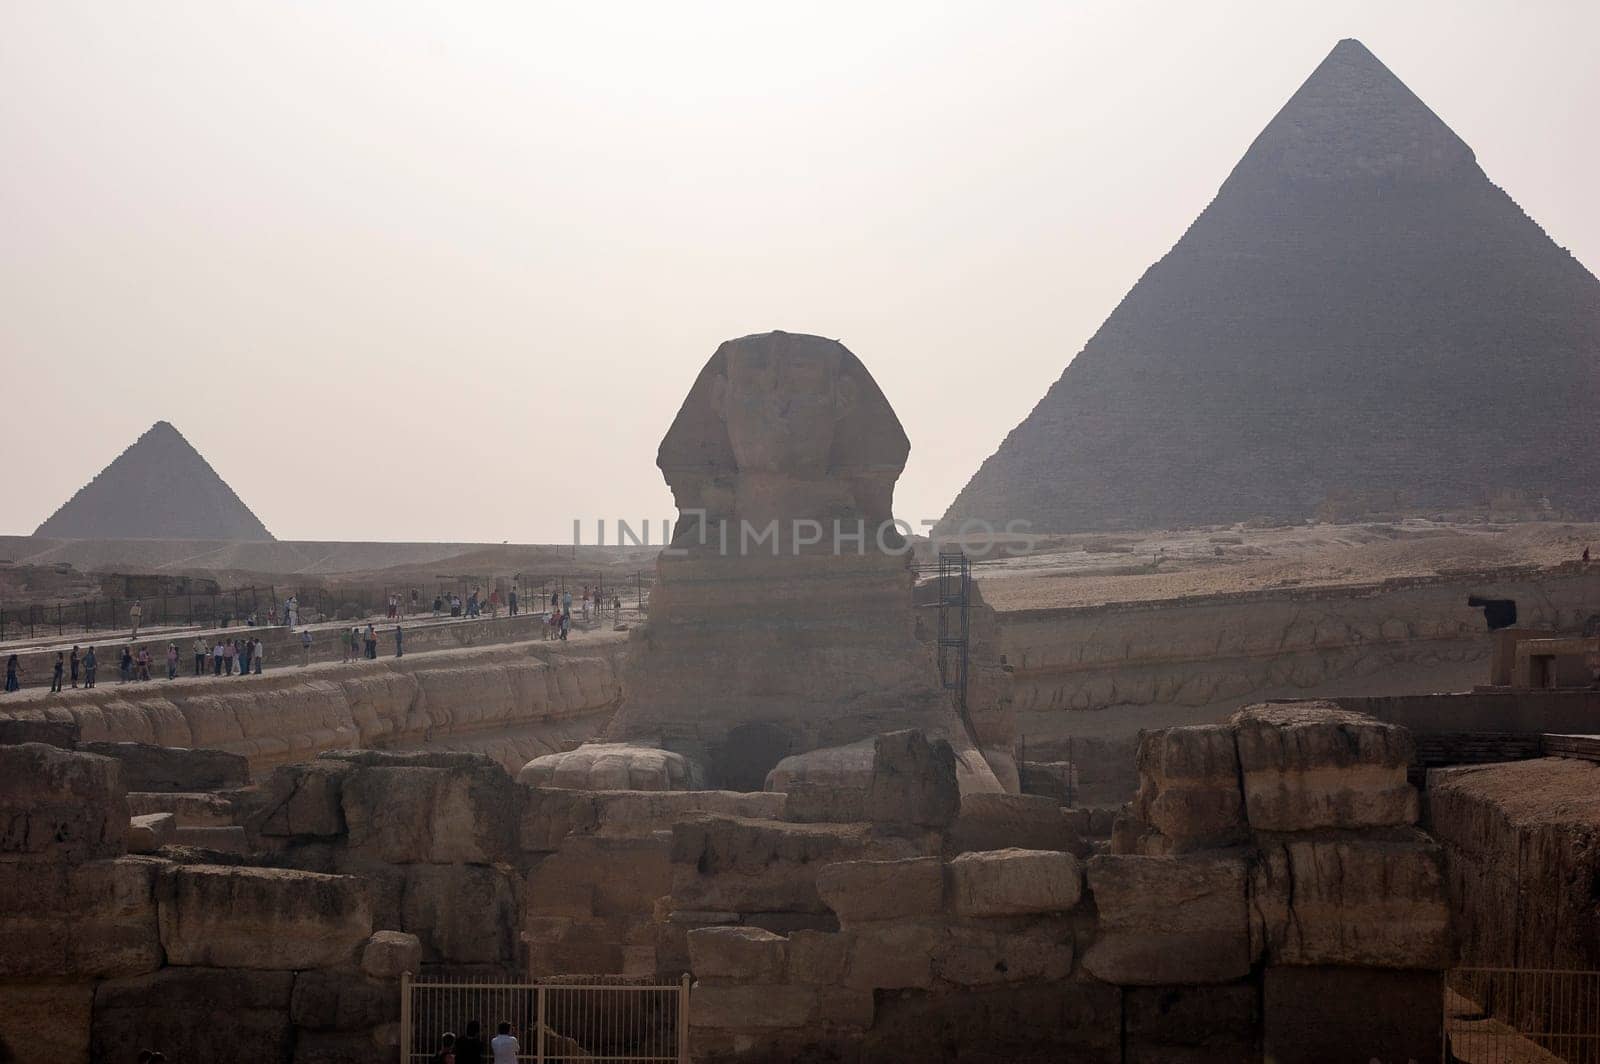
(469, 1048)
(358, 644)
(224, 655)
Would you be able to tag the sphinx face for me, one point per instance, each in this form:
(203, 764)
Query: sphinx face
(781, 410)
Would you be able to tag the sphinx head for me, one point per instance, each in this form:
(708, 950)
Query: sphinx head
(782, 407)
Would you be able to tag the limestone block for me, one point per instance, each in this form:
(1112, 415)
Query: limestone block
(96, 919)
(1169, 920)
(147, 767)
(242, 917)
(843, 1006)
(751, 1007)
(565, 946)
(979, 956)
(808, 802)
(614, 767)
(913, 781)
(45, 1023)
(1012, 821)
(1376, 903)
(248, 1016)
(1311, 765)
(1014, 882)
(405, 810)
(1073, 1020)
(61, 805)
(304, 799)
(217, 840)
(1329, 1015)
(1191, 1024)
(737, 954)
(192, 809)
(1189, 787)
(464, 914)
(342, 1001)
(892, 956)
(818, 957)
(62, 733)
(148, 833)
(860, 891)
(738, 865)
(550, 814)
(389, 954)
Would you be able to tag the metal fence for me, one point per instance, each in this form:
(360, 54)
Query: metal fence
(606, 1019)
(1522, 1016)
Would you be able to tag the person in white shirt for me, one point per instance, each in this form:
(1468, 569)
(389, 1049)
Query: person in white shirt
(505, 1046)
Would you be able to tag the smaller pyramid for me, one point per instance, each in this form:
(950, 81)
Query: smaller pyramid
(159, 488)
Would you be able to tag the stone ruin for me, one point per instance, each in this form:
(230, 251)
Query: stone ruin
(867, 886)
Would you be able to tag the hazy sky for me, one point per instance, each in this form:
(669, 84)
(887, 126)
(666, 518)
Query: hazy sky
(446, 270)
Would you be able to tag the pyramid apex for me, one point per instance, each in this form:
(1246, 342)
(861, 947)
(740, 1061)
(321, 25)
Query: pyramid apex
(1353, 120)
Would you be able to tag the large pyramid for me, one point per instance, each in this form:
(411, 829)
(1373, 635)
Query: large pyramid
(1359, 312)
(160, 488)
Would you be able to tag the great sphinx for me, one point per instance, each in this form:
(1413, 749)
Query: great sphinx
(781, 625)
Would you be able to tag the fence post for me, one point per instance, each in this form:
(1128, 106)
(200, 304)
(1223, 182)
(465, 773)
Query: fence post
(405, 1017)
(538, 1038)
(683, 1019)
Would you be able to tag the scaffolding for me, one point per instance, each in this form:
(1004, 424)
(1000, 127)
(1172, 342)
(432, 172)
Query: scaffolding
(955, 596)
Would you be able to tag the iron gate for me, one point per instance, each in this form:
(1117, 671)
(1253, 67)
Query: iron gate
(604, 1019)
(1522, 1016)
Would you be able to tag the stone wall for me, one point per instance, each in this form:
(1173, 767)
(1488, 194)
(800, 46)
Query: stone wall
(513, 701)
(1094, 676)
(108, 953)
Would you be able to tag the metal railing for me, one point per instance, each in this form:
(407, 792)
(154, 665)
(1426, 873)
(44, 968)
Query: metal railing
(607, 1019)
(1522, 1016)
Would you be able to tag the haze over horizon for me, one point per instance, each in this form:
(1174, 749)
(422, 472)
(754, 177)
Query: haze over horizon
(402, 276)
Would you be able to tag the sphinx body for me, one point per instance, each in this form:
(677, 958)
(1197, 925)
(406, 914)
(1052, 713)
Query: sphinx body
(781, 623)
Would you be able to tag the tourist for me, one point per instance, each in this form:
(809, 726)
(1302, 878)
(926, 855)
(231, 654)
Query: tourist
(135, 615)
(447, 1050)
(305, 648)
(260, 648)
(511, 602)
(469, 1047)
(200, 655)
(555, 600)
(230, 650)
(566, 602)
(272, 616)
(438, 605)
(347, 644)
(455, 604)
(89, 666)
(399, 642)
(216, 659)
(505, 1046)
(142, 661)
(616, 608)
(55, 676)
(73, 661)
(371, 643)
(172, 661)
(246, 646)
(566, 624)
(414, 609)
(125, 666)
(494, 603)
(552, 629)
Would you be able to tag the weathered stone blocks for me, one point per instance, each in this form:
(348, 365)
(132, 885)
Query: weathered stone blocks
(148, 833)
(860, 891)
(1333, 1015)
(1014, 882)
(196, 1014)
(45, 1023)
(389, 954)
(96, 919)
(438, 809)
(737, 954)
(1169, 920)
(1311, 765)
(1351, 901)
(1190, 787)
(148, 767)
(59, 804)
(242, 917)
